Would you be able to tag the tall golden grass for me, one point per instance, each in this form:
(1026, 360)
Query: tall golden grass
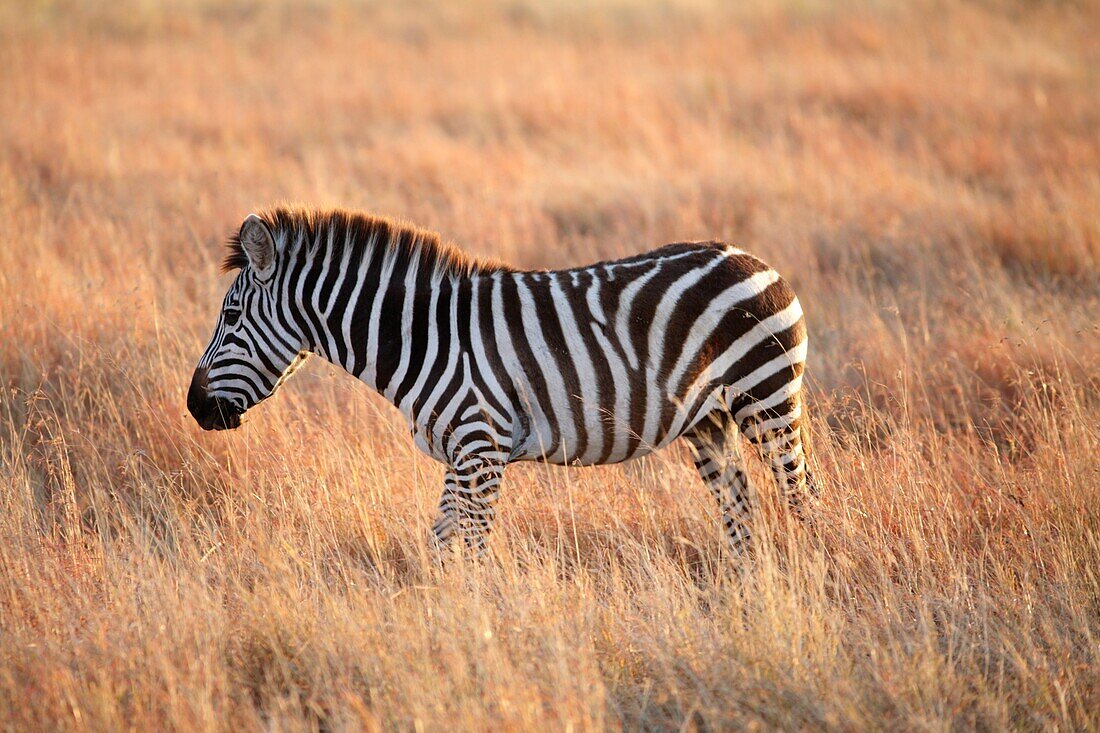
(926, 174)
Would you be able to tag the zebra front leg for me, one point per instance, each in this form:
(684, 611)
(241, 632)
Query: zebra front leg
(446, 526)
(716, 448)
(468, 505)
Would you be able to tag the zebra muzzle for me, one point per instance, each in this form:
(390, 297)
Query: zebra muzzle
(210, 411)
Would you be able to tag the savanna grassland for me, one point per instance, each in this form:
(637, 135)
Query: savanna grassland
(927, 175)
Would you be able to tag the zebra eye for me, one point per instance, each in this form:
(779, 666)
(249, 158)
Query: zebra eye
(232, 315)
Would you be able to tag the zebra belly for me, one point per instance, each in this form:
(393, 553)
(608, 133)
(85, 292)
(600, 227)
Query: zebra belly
(542, 434)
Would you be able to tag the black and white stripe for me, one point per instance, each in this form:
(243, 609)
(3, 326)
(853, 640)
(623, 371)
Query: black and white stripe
(491, 365)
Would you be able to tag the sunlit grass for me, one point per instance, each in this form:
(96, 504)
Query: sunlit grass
(924, 175)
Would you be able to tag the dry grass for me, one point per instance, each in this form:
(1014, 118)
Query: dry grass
(927, 175)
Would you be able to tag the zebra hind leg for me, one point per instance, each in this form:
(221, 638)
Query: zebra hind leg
(779, 437)
(716, 448)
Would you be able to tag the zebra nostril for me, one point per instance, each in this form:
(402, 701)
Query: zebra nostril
(200, 378)
(196, 394)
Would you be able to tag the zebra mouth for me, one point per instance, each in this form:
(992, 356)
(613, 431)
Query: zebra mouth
(224, 416)
(210, 411)
(215, 413)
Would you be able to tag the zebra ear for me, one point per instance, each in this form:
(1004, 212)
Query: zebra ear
(258, 245)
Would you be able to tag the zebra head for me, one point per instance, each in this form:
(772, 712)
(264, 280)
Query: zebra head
(253, 350)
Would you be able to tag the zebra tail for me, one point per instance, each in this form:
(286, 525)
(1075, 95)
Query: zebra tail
(807, 451)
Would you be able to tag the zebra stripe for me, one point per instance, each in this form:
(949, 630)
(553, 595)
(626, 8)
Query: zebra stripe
(491, 365)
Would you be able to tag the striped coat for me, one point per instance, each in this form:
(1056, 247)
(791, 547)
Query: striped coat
(490, 365)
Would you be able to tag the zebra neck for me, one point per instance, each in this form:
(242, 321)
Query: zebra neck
(397, 331)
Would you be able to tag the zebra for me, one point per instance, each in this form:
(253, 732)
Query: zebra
(491, 365)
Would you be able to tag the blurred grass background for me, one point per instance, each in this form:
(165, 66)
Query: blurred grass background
(926, 174)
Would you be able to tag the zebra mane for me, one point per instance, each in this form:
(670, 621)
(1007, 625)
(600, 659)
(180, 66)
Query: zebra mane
(361, 231)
